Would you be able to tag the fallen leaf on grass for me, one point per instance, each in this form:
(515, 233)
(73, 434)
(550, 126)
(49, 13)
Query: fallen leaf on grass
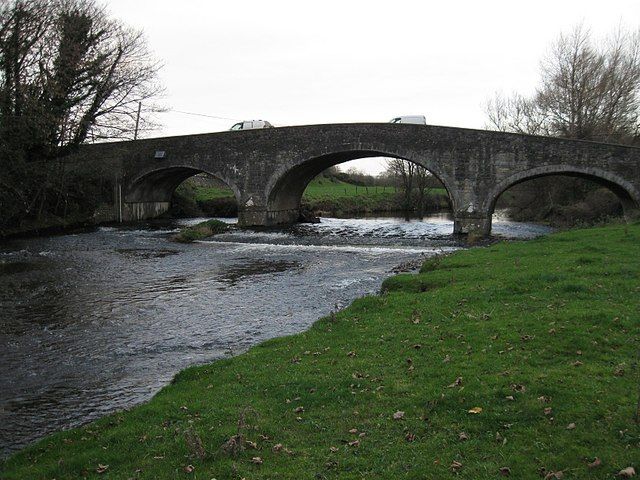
(554, 475)
(399, 415)
(355, 443)
(277, 447)
(189, 469)
(334, 449)
(596, 463)
(257, 460)
(577, 363)
(251, 444)
(476, 410)
(299, 409)
(456, 465)
(456, 383)
(102, 468)
(505, 471)
(548, 411)
(410, 437)
(627, 472)
(571, 426)
(462, 436)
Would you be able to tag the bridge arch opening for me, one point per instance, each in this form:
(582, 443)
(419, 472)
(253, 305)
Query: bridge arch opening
(564, 195)
(154, 192)
(286, 188)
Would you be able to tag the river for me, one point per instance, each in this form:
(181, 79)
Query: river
(99, 321)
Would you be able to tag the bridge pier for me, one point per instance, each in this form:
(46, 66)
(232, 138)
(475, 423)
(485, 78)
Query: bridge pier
(262, 217)
(472, 224)
(134, 211)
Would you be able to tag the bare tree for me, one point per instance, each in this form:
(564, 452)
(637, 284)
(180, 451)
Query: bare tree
(515, 114)
(405, 172)
(586, 92)
(424, 184)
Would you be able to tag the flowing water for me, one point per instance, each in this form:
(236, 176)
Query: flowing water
(99, 321)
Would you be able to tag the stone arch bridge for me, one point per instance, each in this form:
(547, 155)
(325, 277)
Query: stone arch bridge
(268, 169)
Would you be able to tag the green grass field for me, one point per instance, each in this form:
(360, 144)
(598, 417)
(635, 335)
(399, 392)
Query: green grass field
(518, 359)
(334, 197)
(211, 193)
(325, 188)
(318, 189)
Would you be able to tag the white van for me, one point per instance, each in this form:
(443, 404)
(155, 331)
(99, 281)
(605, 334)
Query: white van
(414, 119)
(251, 125)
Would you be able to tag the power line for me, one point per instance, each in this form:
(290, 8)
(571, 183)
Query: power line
(201, 115)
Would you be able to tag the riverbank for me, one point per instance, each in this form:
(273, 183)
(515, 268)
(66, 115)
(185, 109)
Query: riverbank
(50, 226)
(519, 356)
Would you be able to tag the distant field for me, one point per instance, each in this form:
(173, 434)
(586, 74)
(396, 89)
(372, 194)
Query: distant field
(210, 193)
(318, 189)
(324, 188)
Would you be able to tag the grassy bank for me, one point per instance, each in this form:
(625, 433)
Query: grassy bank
(521, 356)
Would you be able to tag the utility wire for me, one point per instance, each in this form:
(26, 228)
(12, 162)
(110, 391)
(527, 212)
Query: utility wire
(202, 115)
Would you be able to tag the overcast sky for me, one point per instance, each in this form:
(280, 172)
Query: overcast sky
(297, 62)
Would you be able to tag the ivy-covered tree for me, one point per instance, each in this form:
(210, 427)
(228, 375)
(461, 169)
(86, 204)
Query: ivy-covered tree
(68, 74)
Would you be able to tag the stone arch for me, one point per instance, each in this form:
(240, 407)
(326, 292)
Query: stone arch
(286, 185)
(628, 195)
(159, 184)
(149, 194)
